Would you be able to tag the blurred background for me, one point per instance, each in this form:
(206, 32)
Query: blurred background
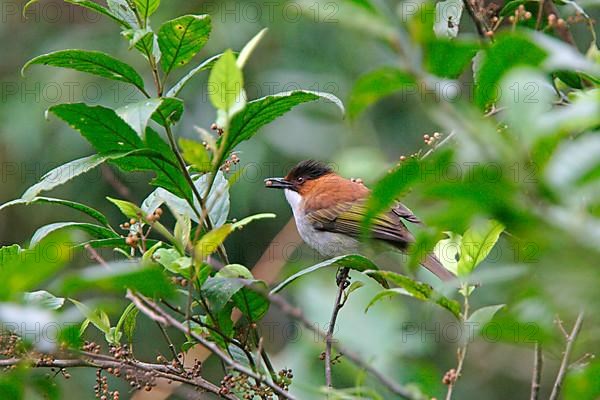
(307, 47)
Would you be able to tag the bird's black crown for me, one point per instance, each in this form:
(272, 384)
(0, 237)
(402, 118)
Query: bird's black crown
(309, 169)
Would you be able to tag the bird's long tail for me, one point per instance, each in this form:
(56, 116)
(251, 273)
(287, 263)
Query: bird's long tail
(432, 263)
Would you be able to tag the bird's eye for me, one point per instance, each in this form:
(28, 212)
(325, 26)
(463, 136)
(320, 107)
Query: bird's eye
(300, 179)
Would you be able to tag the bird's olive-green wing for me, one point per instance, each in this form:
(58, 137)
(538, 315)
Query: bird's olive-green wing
(346, 218)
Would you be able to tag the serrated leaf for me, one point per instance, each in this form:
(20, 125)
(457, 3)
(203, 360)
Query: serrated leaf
(416, 289)
(99, 9)
(376, 85)
(97, 215)
(226, 82)
(137, 115)
(476, 244)
(101, 126)
(109, 134)
(96, 231)
(63, 174)
(353, 261)
(181, 38)
(260, 112)
(92, 62)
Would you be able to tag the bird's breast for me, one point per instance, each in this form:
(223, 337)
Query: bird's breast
(328, 244)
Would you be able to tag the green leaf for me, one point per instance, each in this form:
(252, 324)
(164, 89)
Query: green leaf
(481, 317)
(122, 10)
(137, 115)
(96, 231)
(226, 82)
(9, 254)
(108, 133)
(375, 85)
(204, 65)
(24, 270)
(92, 62)
(388, 189)
(476, 244)
(234, 283)
(507, 52)
(127, 208)
(582, 382)
(173, 261)
(64, 173)
(97, 215)
(127, 321)
(169, 112)
(210, 242)
(145, 8)
(129, 324)
(352, 261)
(96, 317)
(43, 299)
(260, 112)
(181, 38)
(449, 58)
(117, 278)
(217, 201)
(249, 48)
(99, 9)
(101, 126)
(195, 154)
(418, 290)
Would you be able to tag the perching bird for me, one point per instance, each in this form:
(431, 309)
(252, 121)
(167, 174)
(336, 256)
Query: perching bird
(329, 210)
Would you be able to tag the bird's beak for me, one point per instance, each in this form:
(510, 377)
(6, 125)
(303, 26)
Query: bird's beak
(278, 183)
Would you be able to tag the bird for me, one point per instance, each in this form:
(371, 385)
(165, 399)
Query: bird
(329, 210)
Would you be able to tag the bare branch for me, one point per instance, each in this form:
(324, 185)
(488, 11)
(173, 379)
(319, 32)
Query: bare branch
(106, 362)
(155, 312)
(537, 372)
(342, 281)
(564, 365)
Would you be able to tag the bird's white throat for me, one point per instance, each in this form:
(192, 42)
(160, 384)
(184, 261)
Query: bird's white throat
(294, 199)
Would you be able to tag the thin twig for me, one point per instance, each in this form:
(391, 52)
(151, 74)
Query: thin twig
(297, 314)
(106, 362)
(154, 311)
(342, 279)
(461, 354)
(536, 378)
(564, 365)
(171, 345)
